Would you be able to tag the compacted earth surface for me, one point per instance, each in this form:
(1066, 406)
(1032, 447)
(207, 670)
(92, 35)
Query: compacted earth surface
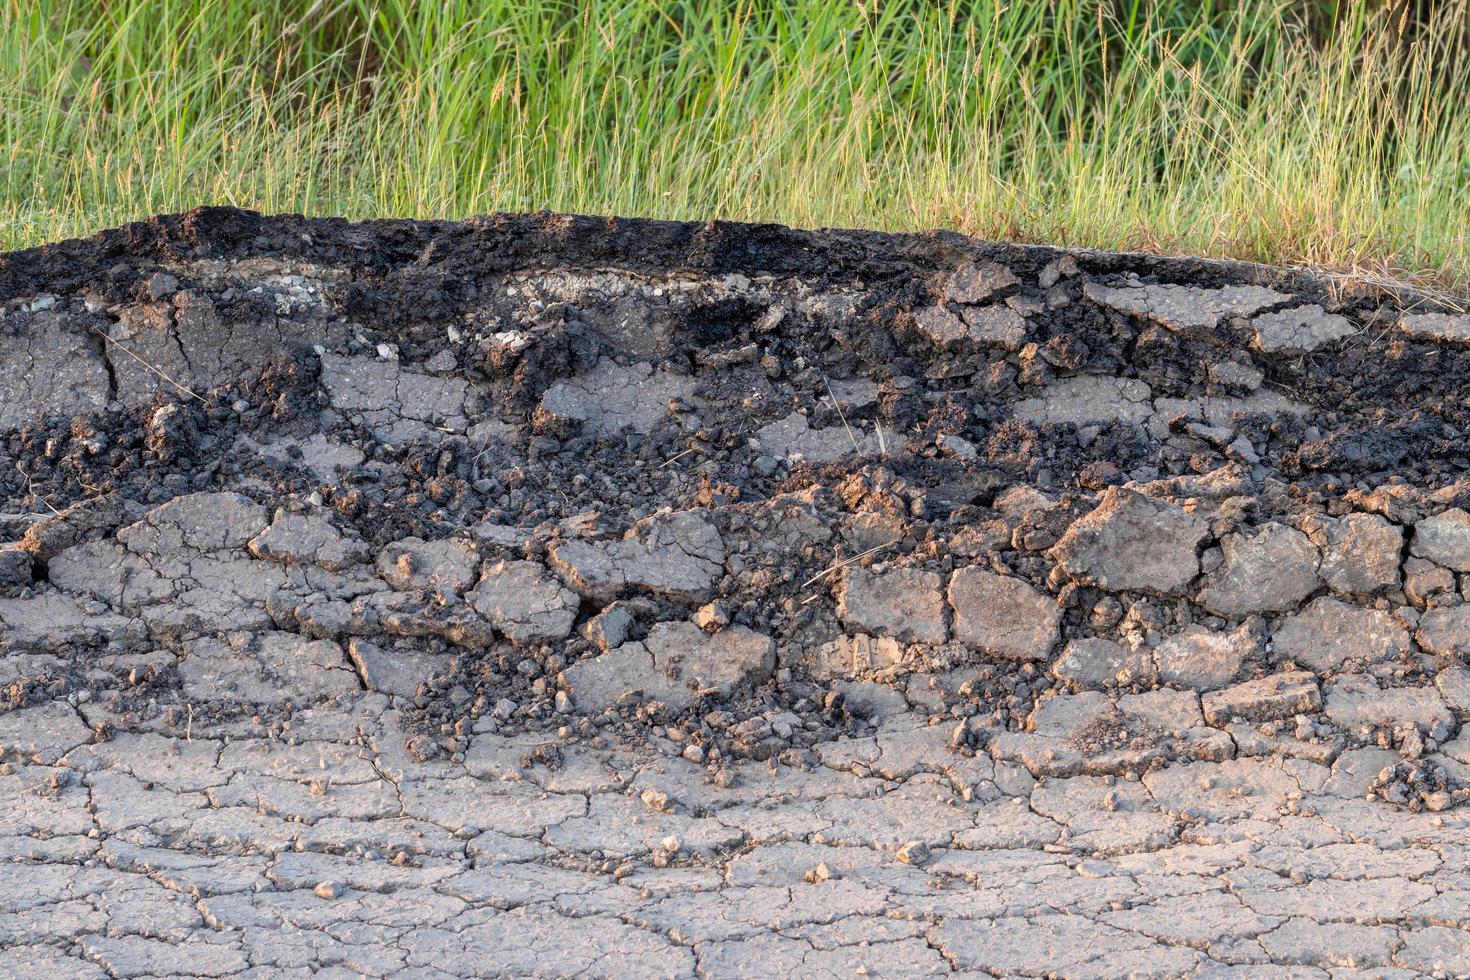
(554, 595)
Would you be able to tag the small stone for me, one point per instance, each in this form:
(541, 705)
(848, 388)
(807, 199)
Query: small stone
(161, 285)
(712, 617)
(819, 874)
(328, 890)
(1438, 801)
(563, 703)
(671, 844)
(915, 852)
(608, 628)
(957, 447)
(656, 799)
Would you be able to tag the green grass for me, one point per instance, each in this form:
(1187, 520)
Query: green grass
(1289, 132)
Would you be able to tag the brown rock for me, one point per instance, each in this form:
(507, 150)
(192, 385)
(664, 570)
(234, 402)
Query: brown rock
(1263, 699)
(1445, 631)
(1360, 554)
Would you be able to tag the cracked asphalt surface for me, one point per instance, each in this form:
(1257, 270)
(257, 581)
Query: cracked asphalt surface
(550, 596)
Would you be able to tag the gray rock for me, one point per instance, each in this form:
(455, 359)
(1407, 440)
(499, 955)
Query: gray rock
(1357, 700)
(1329, 633)
(905, 603)
(1003, 615)
(611, 397)
(1444, 539)
(1095, 662)
(1187, 309)
(398, 404)
(597, 682)
(1452, 327)
(725, 662)
(1133, 543)
(15, 566)
(308, 537)
(1274, 569)
(793, 436)
(852, 656)
(394, 672)
(997, 324)
(1264, 699)
(50, 364)
(977, 282)
(1299, 330)
(1087, 398)
(447, 565)
(1453, 684)
(679, 555)
(1202, 659)
(523, 601)
(608, 628)
(205, 522)
(43, 733)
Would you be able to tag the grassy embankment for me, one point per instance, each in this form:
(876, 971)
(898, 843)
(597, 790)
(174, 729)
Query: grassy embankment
(1285, 132)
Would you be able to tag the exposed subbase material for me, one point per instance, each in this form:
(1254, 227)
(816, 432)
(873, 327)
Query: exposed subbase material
(560, 594)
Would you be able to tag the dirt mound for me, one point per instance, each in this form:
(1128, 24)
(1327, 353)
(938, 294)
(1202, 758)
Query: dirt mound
(743, 487)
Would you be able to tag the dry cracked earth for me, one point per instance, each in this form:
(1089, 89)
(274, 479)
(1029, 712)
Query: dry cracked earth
(545, 595)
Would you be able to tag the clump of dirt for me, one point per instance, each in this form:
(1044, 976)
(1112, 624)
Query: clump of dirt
(740, 487)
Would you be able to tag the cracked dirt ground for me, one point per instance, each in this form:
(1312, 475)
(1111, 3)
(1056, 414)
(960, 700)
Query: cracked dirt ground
(542, 595)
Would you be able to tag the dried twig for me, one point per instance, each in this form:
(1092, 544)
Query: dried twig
(830, 394)
(838, 566)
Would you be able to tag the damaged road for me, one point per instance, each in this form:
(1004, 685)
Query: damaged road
(554, 595)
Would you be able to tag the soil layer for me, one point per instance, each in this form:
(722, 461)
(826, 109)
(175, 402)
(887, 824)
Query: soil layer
(728, 527)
